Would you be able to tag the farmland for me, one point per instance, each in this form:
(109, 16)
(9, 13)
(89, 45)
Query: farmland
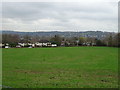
(61, 67)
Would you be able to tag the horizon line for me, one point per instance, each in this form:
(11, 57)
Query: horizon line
(61, 31)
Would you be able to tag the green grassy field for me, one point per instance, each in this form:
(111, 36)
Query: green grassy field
(62, 67)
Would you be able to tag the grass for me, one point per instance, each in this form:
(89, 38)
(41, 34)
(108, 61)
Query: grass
(63, 67)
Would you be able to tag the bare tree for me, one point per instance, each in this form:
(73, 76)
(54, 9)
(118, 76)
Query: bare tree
(56, 39)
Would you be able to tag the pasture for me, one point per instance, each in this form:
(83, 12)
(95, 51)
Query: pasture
(61, 67)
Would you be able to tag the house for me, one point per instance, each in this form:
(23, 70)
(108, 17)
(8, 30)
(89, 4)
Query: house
(7, 47)
(89, 44)
(45, 43)
(54, 45)
(49, 44)
(30, 47)
(38, 44)
(31, 44)
(22, 44)
(18, 46)
(1, 45)
(63, 43)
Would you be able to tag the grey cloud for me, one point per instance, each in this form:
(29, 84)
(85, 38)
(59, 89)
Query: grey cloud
(33, 11)
(61, 12)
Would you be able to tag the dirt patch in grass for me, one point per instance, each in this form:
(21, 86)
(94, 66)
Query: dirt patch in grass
(32, 72)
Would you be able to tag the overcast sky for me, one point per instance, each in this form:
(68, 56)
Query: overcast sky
(60, 16)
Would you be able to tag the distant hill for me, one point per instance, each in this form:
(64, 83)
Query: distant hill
(96, 34)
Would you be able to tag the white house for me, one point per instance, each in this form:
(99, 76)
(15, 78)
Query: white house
(7, 47)
(54, 45)
(1, 44)
(44, 44)
(18, 46)
(38, 44)
(22, 44)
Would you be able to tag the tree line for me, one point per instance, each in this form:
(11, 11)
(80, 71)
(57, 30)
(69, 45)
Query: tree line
(110, 40)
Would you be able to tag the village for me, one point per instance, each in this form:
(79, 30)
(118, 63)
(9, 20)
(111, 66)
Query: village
(25, 41)
(29, 45)
(42, 44)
